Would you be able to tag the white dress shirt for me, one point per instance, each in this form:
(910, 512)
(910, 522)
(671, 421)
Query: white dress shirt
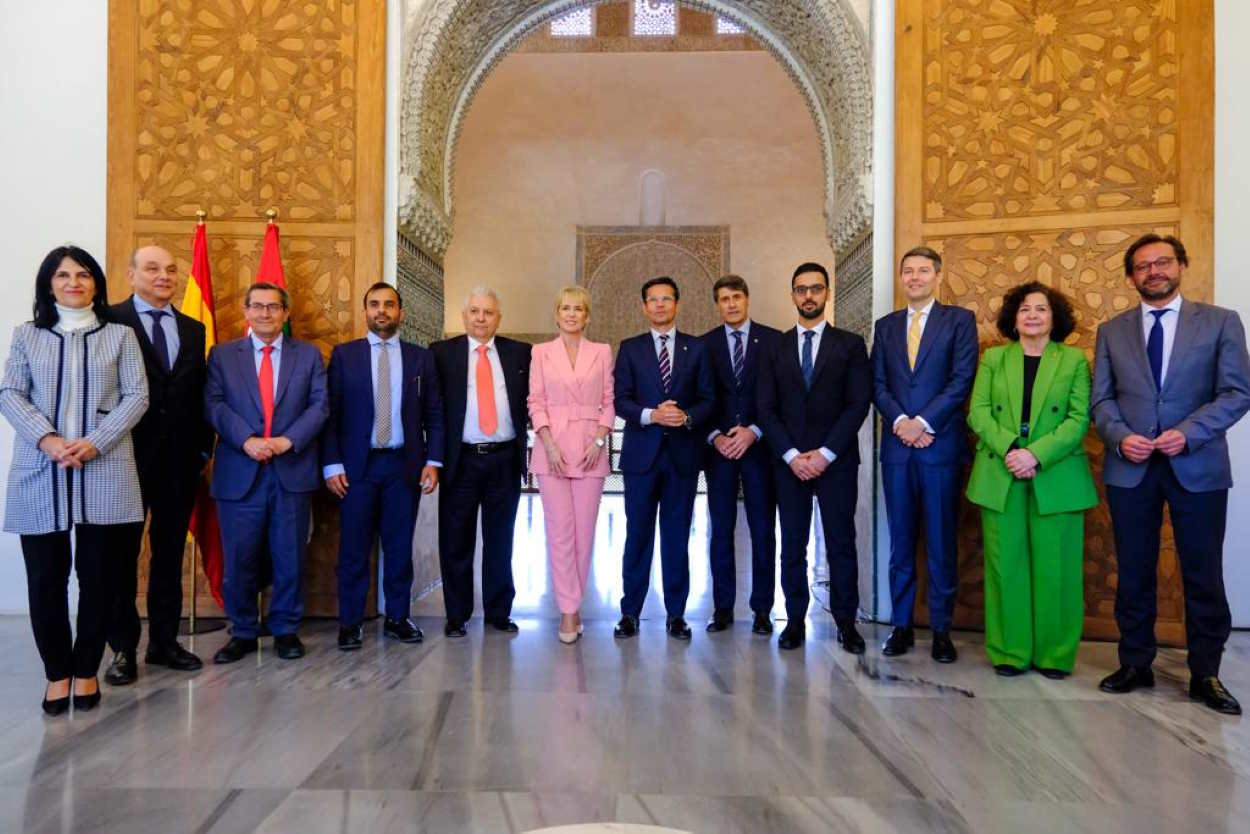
(1169, 321)
(671, 333)
(504, 430)
(745, 329)
(819, 330)
(923, 312)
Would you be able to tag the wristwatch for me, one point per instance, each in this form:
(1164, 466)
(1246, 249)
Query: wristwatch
(686, 422)
(599, 441)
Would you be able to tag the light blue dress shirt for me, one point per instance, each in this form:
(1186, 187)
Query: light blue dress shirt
(168, 325)
(275, 359)
(745, 329)
(645, 418)
(819, 331)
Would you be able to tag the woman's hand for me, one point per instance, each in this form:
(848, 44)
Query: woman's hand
(1021, 463)
(591, 456)
(57, 450)
(82, 450)
(555, 460)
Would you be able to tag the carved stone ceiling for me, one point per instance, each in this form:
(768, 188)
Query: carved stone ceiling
(451, 45)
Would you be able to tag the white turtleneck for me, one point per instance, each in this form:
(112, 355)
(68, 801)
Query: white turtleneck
(75, 318)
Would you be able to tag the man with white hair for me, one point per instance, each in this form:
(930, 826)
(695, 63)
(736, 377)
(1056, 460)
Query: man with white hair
(485, 381)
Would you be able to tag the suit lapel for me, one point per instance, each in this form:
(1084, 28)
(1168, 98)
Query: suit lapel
(183, 323)
(1045, 375)
(130, 316)
(509, 381)
(790, 344)
(247, 372)
(363, 371)
(932, 332)
(285, 368)
(1188, 326)
(823, 352)
(459, 383)
(1013, 366)
(1135, 336)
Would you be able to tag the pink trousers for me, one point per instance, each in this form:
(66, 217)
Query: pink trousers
(570, 507)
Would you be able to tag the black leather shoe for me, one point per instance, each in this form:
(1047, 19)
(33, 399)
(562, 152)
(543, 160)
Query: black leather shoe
(762, 624)
(850, 639)
(722, 619)
(235, 649)
(405, 631)
(172, 656)
(454, 628)
(1051, 674)
(900, 640)
(54, 706)
(351, 638)
(791, 637)
(627, 627)
(123, 670)
(1211, 692)
(504, 624)
(677, 628)
(86, 703)
(288, 646)
(1006, 670)
(943, 650)
(1126, 679)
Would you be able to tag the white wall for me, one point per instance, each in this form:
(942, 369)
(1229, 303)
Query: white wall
(1232, 289)
(53, 93)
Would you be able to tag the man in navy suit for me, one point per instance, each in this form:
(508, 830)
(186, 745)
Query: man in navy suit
(735, 457)
(664, 393)
(924, 359)
(380, 450)
(266, 398)
(811, 404)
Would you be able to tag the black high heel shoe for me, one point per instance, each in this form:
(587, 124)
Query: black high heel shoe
(85, 703)
(55, 706)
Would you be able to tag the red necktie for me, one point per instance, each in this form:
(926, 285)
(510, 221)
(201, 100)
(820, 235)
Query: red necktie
(265, 380)
(487, 418)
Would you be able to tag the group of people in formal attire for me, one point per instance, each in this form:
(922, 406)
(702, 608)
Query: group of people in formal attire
(117, 411)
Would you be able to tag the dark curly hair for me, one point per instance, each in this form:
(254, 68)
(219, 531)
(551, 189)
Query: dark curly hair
(1063, 319)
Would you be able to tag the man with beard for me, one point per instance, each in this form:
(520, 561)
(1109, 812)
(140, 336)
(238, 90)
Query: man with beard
(811, 406)
(380, 450)
(1171, 377)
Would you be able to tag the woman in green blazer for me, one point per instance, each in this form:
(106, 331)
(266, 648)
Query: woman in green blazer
(1030, 411)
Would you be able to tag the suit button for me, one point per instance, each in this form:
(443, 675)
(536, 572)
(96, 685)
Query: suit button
(998, 408)
(1054, 408)
(991, 455)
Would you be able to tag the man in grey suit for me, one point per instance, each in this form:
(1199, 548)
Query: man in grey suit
(1170, 378)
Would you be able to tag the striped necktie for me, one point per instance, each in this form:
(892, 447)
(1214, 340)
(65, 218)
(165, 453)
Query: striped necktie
(666, 368)
(738, 358)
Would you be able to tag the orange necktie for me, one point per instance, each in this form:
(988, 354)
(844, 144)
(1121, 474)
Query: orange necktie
(487, 418)
(265, 380)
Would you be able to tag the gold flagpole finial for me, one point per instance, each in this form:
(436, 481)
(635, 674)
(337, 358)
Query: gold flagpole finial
(200, 215)
(272, 214)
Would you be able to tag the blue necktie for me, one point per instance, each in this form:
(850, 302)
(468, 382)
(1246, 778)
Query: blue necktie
(738, 358)
(158, 338)
(806, 363)
(1154, 348)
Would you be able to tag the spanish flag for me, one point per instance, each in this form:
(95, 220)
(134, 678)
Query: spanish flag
(197, 302)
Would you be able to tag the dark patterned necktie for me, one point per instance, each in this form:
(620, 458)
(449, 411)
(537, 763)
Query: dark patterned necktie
(805, 362)
(738, 358)
(1154, 348)
(666, 368)
(158, 338)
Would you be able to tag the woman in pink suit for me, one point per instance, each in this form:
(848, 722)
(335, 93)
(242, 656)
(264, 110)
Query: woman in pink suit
(570, 403)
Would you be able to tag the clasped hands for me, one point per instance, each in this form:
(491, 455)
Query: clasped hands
(809, 465)
(68, 454)
(1021, 463)
(668, 414)
(912, 431)
(1138, 448)
(264, 449)
(734, 443)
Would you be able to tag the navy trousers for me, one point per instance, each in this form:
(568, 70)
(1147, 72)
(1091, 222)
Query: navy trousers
(917, 495)
(835, 491)
(754, 472)
(1198, 520)
(381, 504)
(267, 518)
(671, 493)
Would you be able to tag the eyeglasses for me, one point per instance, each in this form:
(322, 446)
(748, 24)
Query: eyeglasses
(1142, 267)
(271, 309)
(813, 289)
(660, 299)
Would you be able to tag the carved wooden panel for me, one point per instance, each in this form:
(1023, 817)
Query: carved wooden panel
(1041, 107)
(235, 107)
(1037, 139)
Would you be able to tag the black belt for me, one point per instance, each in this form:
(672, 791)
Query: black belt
(389, 450)
(488, 448)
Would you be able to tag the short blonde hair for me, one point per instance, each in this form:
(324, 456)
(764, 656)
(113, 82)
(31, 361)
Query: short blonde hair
(581, 294)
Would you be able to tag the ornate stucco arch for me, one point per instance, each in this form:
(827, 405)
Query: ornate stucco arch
(450, 46)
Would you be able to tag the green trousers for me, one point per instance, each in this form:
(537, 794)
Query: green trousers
(1034, 583)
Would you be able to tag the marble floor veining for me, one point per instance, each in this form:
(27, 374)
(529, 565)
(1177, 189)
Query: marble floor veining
(726, 734)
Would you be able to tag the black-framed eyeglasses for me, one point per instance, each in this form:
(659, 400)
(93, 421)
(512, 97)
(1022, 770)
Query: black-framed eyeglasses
(1142, 267)
(811, 289)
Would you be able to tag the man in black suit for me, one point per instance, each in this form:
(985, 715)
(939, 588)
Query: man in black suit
(485, 381)
(811, 405)
(735, 457)
(172, 444)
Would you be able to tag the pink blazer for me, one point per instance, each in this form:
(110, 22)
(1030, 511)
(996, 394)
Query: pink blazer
(571, 401)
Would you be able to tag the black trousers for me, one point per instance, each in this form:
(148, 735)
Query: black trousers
(489, 482)
(836, 491)
(1198, 520)
(168, 499)
(99, 557)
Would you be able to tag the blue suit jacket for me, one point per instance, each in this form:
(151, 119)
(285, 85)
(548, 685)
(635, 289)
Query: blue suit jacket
(936, 389)
(637, 386)
(232, 407)
(734, 405)
(347, 435)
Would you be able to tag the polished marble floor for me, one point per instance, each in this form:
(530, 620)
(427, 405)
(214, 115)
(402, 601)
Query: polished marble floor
(497, 733)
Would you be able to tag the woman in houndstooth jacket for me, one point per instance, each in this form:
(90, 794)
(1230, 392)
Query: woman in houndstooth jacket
(73, 388)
